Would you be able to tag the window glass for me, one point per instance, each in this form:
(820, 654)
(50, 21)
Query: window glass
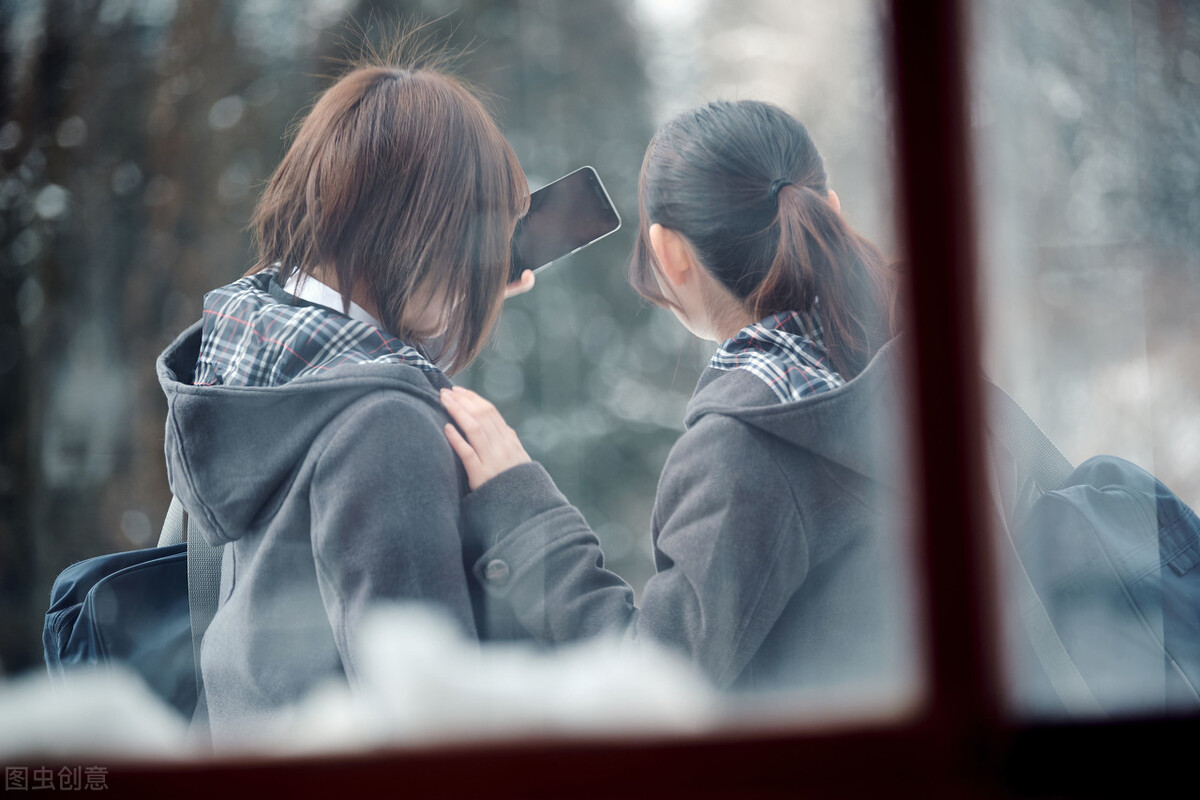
(139, 140)
(1085, 118)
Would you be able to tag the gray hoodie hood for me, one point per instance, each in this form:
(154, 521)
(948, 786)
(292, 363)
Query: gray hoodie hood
(232, 452)
(819, 423)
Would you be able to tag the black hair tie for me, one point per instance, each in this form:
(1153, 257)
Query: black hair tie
(776, 187)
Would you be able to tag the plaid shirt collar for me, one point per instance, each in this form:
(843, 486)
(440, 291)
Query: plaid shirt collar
(306, 287)
(255, 334)
(786, 351)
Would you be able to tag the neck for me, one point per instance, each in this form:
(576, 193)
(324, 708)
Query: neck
(726, 325)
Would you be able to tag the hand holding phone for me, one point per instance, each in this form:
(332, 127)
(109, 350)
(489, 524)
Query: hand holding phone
(564, 216)
(520, 286)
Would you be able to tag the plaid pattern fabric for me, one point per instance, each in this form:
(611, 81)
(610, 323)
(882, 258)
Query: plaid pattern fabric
(786, 350)
(252, 339)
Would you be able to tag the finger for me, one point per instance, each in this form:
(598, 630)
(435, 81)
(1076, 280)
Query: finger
(466, 454)
(453, 405)
(471, 423)
(488, 417)
(500, 438)
(461, 446)
(520, 285)
(476, 403)
(467, 402)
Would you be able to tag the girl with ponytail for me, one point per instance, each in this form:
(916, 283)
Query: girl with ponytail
(775, 526)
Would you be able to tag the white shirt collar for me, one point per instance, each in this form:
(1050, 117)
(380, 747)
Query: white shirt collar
(315, 291)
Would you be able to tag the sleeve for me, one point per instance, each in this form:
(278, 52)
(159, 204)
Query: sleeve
(540, 557)
(730, 549)
(729, 552)
(385, 517)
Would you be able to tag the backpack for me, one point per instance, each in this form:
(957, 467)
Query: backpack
(1102, 565)
(145, 609)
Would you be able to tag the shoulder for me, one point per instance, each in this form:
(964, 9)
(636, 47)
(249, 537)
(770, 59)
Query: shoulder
(716, 431)
(721, 456)
(390, 430)
(392, 413)
(729, 388)
(397, 403)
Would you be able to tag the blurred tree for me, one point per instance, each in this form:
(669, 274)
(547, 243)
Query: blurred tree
(134, 138)
(1087, 117)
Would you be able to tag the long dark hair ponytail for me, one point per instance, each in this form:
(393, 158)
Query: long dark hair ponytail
(744, 184)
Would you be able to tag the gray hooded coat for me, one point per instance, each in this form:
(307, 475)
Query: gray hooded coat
(329, 484)
(778, 534)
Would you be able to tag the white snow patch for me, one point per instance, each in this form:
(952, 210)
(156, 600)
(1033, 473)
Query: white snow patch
(419, 681)
(98, 712)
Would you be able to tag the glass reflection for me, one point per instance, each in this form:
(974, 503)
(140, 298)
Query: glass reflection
(127, 183)
(1085, 119)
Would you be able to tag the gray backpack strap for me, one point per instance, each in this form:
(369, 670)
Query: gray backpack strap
(1030, 448)
(1033, 452)
(1069, 684)
(204, 586)
(173, 525)
(204, 581)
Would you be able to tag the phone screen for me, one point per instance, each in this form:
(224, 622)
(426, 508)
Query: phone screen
(564, 216)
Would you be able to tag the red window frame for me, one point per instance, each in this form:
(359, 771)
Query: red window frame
(960, 743)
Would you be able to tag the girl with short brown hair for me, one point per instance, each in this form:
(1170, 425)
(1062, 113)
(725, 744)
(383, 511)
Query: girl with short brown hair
(304, 432)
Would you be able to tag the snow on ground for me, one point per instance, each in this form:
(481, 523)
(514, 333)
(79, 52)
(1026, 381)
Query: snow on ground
(421, 682)
(99, 713)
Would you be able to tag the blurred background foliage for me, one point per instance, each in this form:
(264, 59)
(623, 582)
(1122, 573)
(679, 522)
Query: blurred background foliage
(1086, 122)
(135, 136)
(1087, 129)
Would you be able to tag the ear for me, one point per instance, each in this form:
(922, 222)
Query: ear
(834, 201)
(673, 253)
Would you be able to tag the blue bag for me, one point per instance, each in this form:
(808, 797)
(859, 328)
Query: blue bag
(127, 607)
(1105, 577)
(146, 609)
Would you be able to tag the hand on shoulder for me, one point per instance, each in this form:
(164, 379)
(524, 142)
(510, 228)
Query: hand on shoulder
(490, 445)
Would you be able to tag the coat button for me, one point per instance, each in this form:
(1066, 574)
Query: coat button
(496, 572)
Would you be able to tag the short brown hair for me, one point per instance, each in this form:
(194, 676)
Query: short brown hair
(400, 180)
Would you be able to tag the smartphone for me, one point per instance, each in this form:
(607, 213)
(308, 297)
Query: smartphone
(564, 216)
